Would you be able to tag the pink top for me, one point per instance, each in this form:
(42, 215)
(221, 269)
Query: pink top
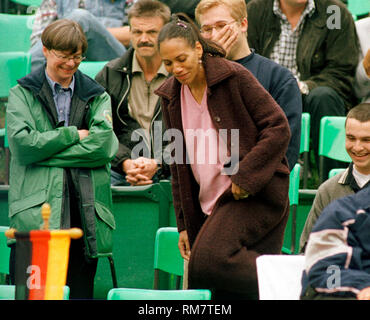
(205, 150)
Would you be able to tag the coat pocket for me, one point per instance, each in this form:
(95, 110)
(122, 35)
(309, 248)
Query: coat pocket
(25, 213)
(105, 224)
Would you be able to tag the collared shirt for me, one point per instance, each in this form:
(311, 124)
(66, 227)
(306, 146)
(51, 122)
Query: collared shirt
(62, 98)
(284, 51)
(142, 100)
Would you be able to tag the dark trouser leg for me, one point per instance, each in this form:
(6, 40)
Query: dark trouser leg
(323, 101)
(81, 270)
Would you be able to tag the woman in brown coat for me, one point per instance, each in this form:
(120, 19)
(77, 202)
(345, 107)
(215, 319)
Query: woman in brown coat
(226, 216)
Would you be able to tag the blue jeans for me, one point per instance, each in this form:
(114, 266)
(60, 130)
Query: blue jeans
(102, 45)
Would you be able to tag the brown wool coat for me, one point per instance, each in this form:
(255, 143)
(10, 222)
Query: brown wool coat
(235, 101)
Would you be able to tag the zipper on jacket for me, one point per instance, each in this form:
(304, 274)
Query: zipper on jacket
(123, 97)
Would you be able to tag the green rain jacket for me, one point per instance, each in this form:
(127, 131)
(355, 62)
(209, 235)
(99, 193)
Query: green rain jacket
(43, 150)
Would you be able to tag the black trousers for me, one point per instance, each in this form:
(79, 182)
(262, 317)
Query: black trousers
(321, 102)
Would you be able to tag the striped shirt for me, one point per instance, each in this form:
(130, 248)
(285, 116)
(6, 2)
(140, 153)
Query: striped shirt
(284, 51)
(62, 99)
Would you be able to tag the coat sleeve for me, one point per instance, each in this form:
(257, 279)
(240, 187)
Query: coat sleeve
(258, 166)
(174, 176)
(27, 144)
(98, 148)
(335, 251)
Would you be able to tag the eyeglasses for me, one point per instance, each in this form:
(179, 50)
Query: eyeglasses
(66, 59)
(207, 29)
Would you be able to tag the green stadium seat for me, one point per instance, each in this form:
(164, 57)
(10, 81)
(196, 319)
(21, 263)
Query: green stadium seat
(305, 144)
(91, 68)
(289, 244)
(167, 256)
(28, 3)
(334, 172)
(4, 253)
(358, 8)
(7, 292)
(13, 65)
(15, 32)
(332, 141)
(151, 294)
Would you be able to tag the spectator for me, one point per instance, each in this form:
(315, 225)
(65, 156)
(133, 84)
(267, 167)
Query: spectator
(299, 35)
(337, 255)
(101, 20)
(362, 84)
(355, 177)
(216, 198)
(225, 21)
(61, 140)
(131, 80)
(175, 6)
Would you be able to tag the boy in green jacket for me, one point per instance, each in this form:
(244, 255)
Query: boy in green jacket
(61, 141)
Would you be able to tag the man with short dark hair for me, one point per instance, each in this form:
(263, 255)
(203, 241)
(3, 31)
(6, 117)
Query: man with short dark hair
(62, 141)
(131, 81)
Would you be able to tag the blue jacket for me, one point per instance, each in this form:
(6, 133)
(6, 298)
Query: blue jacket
(283, 87)
(338, 250)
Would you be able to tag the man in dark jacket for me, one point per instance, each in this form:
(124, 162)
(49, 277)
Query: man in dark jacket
(225, 21)
(337, 255)
(130, 81)
(317, 41)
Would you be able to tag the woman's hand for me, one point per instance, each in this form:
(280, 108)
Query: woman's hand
(238, 192)
(184, 245)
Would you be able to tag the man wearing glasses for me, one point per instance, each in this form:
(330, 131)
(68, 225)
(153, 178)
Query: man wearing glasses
(62, 141)
(225, 21)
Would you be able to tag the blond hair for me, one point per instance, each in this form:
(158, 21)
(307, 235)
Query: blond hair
(238, 8)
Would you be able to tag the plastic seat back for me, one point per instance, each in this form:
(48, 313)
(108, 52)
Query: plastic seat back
(150, 294)
(166, 252)
(358, 8)
(290, 230)
(91, 68)
(334, 172)
(7, 292)
(4, 251)
(13, 65)
(305, 132)
(15, 32)
(332, 139)
(305, 145)
(28, 3)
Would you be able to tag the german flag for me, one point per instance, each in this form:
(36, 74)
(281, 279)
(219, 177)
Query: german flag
(42, 262)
